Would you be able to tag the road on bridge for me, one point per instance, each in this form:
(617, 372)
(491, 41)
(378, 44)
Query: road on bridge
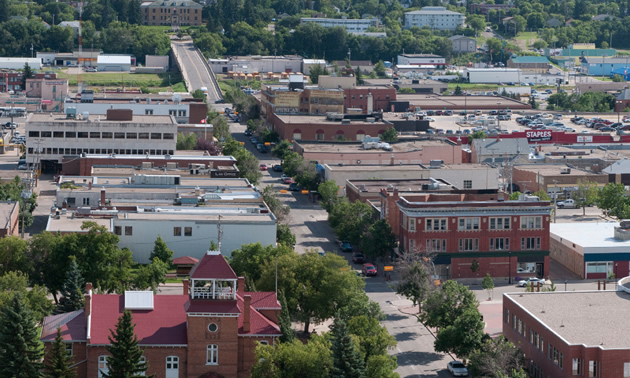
(195, 70)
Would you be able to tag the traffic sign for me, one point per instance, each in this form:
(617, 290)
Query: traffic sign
(388, 268)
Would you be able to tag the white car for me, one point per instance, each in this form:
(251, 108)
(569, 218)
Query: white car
(457, 369)
(429, 119)
(535, 280)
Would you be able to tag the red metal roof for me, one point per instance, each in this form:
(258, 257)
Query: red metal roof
(164, 325)
(185, 260)
(212, 266)
(264, 299)
(212, 306)
(72, 324)
(258, 323)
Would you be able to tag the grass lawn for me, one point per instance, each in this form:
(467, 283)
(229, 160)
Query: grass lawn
(102, 79)
(174, 280)
(472, 86)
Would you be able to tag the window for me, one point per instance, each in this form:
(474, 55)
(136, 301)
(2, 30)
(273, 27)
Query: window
(172, 367)
(143, 135)
(592, 369)
(436, 245)
(57, 134)
(106, 135)
(599, 267)
(156, 136)
(83, 134)
(439, 224)
(68, 348)
(499, 244)
(531, 223)
(169, 136)
(86, 202)
(132, 136)
(102, 366)
(34, 134)
(576, 367)
(525, 267)
(118, 135)
(212, 327)
(626, 369)
(412, 245)
(506, 315)
(177, 231)
(187, 231)
(118, 230)
(264, 342)
(500, 223)
(212, 355)
(128, 230)
(530, 243)
(95, 135)
(412, 224)
(71, 134)
(468, 224)
(148, 111)
(467, 184)
(467, 245)
(46, 134)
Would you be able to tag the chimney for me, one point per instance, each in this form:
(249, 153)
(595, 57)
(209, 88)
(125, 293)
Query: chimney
(90, 185)
(391, 160)
(103, 197)
(240, 286)
(88, 303)
(370, 103)
(246, 311)
(186, 286)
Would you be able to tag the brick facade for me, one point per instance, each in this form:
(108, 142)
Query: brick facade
(505, 238)
(358, 98)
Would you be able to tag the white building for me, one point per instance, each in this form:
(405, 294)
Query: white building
(435, 18)
(50, 137)
(350, 24)
(19, 63)
(141, 207)
(257, 63)
(421, 60)
(114, 63)
(493, 75)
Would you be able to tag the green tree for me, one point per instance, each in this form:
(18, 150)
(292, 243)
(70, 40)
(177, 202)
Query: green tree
(613, 199)
(390, 135)
(220, 127)
(477, 22)
(445, 305)
(463, 335)
(307, 176)
(309, 297)
(350, 220)
(381, 366)
(479, 134)
(125, 359)
(533, 103)
(35, 297)
(27, 74)
(186, 142)
(161, 251)
(316, 72)
(280, 210)
(406, 90)
(295, 359)
(373, 338)
(542, 195)
(292, 163)
(488, 284)
(21, 351)
(198, 93)
(281, 149)
(618, 78)
(495, 358)
(13, 256)
(415, 271)
(328, 190)
(150, 276)
(250, 259)
(284, 320)
(379, 240)
(284, 236)
(458, 91)
(586, 194)
(347, 361)
(59, 360)
(359, 76)
(72, 292)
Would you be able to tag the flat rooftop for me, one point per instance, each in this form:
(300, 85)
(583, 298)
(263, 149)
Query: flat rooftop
(123, 181)
(389, 82)
(6, 208)
(554, 169)
(191, 216)
(321, 120)
(180, 156)
(591, 237)
(602, 315)
(460, 102)
(68, 223)
(375, 186)
(397, 167)
(61, 118)
(358, 147)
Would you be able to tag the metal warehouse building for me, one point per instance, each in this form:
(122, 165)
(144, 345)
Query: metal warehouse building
(120, 63)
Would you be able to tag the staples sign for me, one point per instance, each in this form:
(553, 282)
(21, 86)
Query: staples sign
(538, 135)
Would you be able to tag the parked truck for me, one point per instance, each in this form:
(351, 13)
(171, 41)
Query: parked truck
(567, 204)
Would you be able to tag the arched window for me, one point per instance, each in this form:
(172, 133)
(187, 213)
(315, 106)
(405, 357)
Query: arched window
(340, 135)
(319, 134)
(360, 135)
(297, 134)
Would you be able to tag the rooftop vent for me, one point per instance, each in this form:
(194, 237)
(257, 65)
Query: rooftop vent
(138, 300)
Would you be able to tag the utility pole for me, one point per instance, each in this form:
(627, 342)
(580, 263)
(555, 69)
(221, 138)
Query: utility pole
(220, 232)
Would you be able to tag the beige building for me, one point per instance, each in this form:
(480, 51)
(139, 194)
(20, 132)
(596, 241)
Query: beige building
(174, 13)
(553, 178)
(52, 92)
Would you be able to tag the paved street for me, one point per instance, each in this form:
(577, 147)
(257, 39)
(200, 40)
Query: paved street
(194, 69)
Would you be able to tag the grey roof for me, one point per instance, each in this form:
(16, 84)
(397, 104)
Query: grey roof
(554, 22)
(620, 166)
(433, 10)
(601, 17)
(624, 95)
(457, 37)
(72, 24)
(173, 3)
(499, 147)
(608, 59)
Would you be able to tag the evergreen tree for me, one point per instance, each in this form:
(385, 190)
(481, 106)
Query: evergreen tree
(59, 366)
(161, 251)
(20, 349)
(72, 290)
(125, 352)
(347, 361)
(28, 73)
(285, 321)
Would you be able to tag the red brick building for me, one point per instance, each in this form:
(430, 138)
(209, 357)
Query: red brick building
(360, 98)
(505, 238)
(211, 329)
(570, 333)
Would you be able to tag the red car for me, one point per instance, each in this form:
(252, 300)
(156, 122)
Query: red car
(288, 181)
(369, 270)
(263, 167)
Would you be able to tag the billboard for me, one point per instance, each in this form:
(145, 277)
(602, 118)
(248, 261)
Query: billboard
(538, 135)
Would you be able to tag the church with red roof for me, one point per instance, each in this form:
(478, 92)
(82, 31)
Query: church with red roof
(210, 330)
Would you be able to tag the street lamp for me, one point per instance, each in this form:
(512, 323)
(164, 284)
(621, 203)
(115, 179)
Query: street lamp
(510, 268)
(448, 267)
(565, 285)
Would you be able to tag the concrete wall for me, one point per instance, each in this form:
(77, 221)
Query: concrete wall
(161, 61)
(235, 234)
(563, 252)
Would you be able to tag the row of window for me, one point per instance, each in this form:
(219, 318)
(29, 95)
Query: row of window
(97, 151)
(168, 18)
(472, 244)
(168, 10)
(172, 366)
(177, 231)
(473, 223)
(99, 135)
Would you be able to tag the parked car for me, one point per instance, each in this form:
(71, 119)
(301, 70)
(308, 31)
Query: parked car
(346, 246)
(535, 280)
(263, 167)
(606, 129)
(457, 369)
(288, 181)
(248, 133)
(369, 270)
(504, 117)
(448, 112)
(284, 177)
(261, 148)
(569, 203)
(10, 125)
(358, 258)
(294, 187)
(277, 168)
